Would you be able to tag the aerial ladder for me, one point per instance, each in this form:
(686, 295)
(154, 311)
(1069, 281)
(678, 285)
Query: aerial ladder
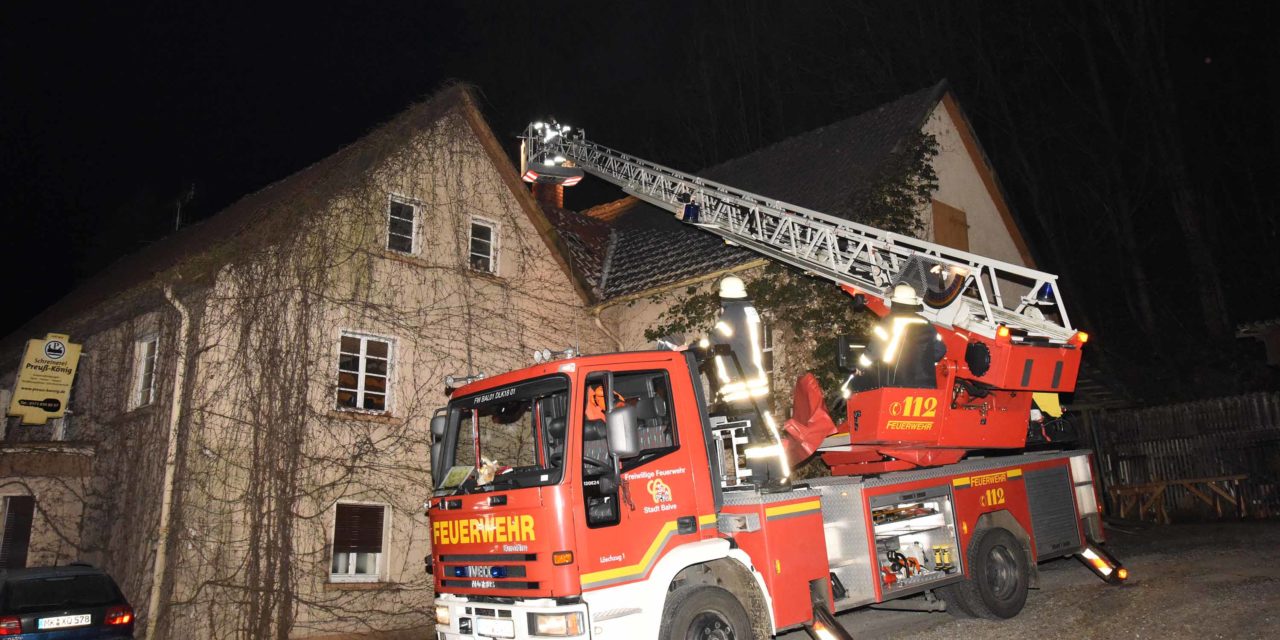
(1005, 327)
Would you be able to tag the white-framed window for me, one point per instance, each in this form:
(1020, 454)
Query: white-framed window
(402, 223)
(359, 532)
(766, 348)
(144, 370)
(364, 365)
(483, 248)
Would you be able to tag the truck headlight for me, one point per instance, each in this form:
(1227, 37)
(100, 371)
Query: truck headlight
(556, 624)
(442, 615)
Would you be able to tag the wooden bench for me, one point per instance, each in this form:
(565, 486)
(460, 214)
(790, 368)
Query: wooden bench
(1139, 500)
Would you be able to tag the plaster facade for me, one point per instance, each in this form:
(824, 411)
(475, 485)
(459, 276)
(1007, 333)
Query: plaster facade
(264, 453)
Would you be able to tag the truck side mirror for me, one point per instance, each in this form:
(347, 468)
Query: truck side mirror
(439, 423)
(623, 432)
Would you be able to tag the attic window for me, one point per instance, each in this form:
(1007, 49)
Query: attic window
(484, 246)
(401, 220)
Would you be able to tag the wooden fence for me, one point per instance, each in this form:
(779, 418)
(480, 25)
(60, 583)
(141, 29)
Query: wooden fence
(1181, 442)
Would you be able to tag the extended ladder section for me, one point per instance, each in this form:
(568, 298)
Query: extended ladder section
(965, 288)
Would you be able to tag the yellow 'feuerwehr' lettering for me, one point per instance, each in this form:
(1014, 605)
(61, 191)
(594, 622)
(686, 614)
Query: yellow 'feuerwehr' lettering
(991, 478)
(909, 425)
(488, 529)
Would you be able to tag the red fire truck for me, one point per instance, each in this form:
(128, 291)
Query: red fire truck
(650, 494)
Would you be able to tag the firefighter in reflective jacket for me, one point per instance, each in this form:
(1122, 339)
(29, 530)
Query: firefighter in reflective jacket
(905, 348)
(740, 379)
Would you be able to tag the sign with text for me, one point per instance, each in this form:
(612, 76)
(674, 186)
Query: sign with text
(44, 381)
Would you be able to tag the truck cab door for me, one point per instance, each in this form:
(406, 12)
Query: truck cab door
(662, 495)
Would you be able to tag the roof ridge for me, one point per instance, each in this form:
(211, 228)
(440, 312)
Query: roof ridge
(609, 212)
(936, 91)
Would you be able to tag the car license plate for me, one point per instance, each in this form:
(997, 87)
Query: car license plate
(495, 628)
(61, 622)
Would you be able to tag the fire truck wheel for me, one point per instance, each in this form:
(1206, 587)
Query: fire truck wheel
(956, 604)
(999, 576)
(704, 613)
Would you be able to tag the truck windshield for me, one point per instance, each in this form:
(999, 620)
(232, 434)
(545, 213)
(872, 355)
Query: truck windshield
(507, 437)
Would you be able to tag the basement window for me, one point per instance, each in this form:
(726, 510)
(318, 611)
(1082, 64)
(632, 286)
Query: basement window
(364, 363)
(144, 371)
(401, 222)
(358, 534)
(484, 246)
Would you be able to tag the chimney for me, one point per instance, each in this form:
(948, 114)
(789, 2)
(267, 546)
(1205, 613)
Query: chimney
(550, 194)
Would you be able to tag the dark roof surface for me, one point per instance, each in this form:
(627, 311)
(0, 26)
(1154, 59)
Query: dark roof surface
(821, 169)
(585, 240)
(652, 249)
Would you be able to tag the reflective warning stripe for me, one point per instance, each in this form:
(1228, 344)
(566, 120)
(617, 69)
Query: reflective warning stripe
(639, 569)
(788, 510)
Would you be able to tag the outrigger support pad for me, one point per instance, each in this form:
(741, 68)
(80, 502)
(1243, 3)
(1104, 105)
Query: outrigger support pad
(1103, 564)
(824, 625)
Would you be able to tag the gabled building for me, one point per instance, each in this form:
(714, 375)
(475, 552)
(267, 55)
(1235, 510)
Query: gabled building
(248, 446)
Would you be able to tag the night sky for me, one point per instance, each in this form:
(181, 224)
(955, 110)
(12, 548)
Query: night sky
(112, 113)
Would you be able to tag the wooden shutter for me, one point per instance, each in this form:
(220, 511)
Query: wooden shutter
(17, 531)
(358, 529)
(950, 226)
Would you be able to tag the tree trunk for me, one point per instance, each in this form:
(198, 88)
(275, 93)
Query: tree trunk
(1139, 34)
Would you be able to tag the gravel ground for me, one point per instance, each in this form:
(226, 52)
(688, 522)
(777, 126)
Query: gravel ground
(1186, 581)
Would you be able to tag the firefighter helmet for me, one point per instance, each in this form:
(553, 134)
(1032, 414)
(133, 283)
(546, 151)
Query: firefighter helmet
(905, 294)
(733, 288)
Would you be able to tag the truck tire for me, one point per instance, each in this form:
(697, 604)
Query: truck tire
(956, 604)
(999, 576)
(704, 613)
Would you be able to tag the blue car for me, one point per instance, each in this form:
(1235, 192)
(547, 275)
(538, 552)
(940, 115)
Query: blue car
(75, 602)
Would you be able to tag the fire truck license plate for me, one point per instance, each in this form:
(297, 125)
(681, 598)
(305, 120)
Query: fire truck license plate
(61, 622)
(495, 628)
